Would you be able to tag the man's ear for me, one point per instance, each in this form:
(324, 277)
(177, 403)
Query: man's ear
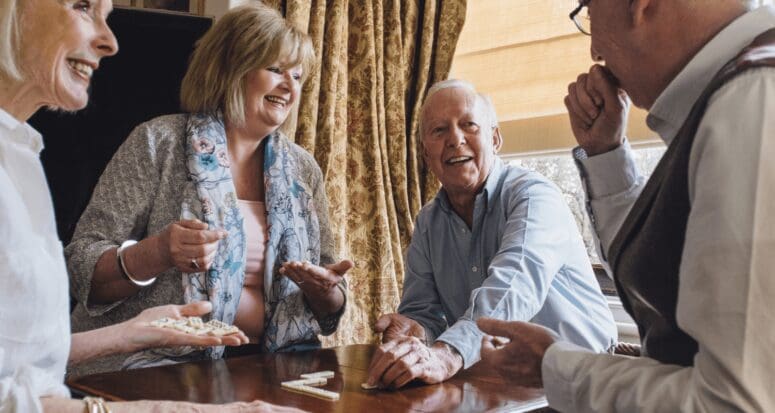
(497, 140)
(639, 11)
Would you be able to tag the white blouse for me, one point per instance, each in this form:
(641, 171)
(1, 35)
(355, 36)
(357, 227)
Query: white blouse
(34, 308)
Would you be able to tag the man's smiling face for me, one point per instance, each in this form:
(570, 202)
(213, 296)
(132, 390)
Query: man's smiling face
(459, 139)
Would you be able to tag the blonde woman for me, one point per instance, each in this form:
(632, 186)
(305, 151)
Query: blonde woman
(216, 204)
(48, 51)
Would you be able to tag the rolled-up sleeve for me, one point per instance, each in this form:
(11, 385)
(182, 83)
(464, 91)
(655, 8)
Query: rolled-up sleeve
(520, 275)
(117, 211)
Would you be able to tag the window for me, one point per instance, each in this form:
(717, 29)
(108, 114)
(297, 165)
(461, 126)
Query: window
(560, 169)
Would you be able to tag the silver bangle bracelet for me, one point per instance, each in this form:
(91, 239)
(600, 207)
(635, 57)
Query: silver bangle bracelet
(122, 266)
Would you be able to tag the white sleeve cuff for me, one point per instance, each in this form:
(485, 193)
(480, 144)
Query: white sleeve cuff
(609, 173)
(466, 338)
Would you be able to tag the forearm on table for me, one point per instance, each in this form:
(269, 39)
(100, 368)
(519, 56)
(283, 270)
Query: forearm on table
(155, 406)
(62, 405)
(580, 381)
(92, 344)
(144, 260)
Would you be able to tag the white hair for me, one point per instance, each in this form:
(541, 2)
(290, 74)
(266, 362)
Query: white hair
(489, 110)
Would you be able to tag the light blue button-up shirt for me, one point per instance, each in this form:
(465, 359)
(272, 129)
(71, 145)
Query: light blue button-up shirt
(523, 259)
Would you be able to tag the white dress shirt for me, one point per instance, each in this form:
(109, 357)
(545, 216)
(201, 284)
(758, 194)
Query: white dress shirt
(728, 261)
(34, 308)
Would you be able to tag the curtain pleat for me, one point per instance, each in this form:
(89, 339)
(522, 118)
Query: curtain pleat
(358, 116)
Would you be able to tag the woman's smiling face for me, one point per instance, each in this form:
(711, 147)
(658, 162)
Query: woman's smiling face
(270, 93)
(63, 42)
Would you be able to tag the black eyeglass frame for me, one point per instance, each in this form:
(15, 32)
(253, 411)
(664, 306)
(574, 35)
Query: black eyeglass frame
(574, 15)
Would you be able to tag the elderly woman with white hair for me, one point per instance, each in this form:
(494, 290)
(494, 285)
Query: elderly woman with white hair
(216, 204)
(48, 51)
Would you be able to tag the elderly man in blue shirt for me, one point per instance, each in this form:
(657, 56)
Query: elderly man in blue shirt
(497, 241)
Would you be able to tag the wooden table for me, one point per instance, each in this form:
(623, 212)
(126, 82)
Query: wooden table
(259, 376)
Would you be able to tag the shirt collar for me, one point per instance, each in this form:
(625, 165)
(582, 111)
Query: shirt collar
(493, 181)
(20, 133)
(673, 105)
(488, 191)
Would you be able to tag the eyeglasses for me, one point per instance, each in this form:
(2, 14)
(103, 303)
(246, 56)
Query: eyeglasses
(583, 23)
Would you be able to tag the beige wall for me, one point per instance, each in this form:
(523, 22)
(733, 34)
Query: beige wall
(523, 54)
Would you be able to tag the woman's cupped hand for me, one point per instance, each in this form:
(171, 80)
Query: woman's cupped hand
(315, 278)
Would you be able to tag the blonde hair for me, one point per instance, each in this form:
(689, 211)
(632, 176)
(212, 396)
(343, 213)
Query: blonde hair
(9, 40)
(246, 38)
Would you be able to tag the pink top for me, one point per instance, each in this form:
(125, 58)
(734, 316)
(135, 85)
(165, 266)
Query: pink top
(250, 313)
(254, 222)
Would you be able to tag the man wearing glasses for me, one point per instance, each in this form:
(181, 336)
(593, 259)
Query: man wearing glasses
(691, 250)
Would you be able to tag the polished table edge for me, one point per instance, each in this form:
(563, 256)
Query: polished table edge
(347, 357)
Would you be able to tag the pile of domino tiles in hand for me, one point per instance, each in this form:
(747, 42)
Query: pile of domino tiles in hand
(195, 326)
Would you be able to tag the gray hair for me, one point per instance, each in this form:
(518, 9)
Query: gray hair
(491, 116)
(9, 40)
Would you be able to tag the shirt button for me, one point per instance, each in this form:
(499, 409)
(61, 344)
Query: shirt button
(474, 269)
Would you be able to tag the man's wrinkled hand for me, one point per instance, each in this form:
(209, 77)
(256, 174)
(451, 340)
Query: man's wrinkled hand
(598, 110)
(404, 359)
(394, 326)
(519, 360)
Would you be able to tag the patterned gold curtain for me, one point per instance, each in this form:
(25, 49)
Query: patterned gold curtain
(358, 116)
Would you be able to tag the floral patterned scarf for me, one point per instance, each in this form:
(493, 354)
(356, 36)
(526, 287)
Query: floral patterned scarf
(293, 235)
